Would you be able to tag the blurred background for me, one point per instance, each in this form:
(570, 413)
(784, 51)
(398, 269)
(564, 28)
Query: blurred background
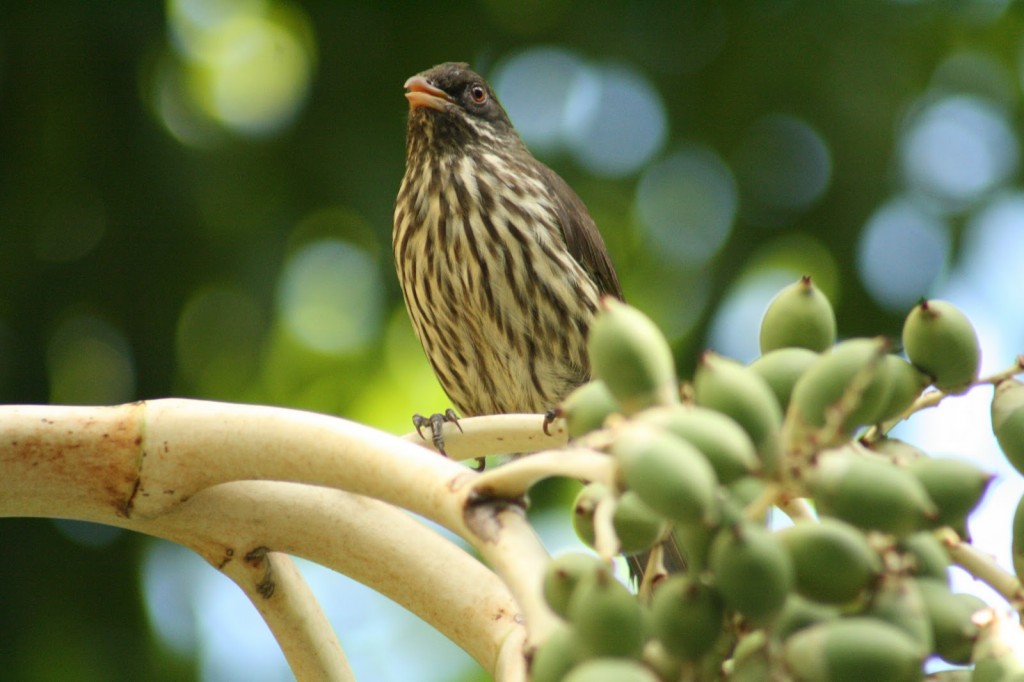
(196, 199)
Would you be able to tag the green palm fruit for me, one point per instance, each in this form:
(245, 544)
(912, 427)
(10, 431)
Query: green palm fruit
(799, 613)
(687, 616)
(694, 540)
(898, 600)
(869, 494)
(664, 665)
(586, 408)
(745, 490)
(632, 357)
(955, 486)
(583, 508)
(562, 575)
(906, 383)
(608, 620)
(670, 475)
(756, 668)
(738, 392)
(556, 656)
(899, 452)
(950, 618)
(834, 562)
(750, 644)
(928, 559)
(781, 368)
(723, 442)
(752, 571)
(610, 670)
(853, 650)
(751, 661)
(799, 316)
(1008, 420)
(942, 343)
(849, 378)
(636, 525)
(1017, 540)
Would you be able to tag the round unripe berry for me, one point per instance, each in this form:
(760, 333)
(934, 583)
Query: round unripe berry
(728, 387)
(870, 494)
(562, 575)
(950, 615)
(849, 377)
(782, 368)
(720, 439)
(670, 475)
(607, 619)
(942, 343)
(834, 562)
(586, 408)
(1008, 420)
(906, 384)
(752, 571)
(631, 356)
(555, 657)
(687, 616)
(853, 649)
(800, 316)
(954, 485)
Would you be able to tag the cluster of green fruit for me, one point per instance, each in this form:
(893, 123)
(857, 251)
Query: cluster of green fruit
(860, 592)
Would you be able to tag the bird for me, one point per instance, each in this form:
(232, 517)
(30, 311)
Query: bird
(500, 263)
(501, 266)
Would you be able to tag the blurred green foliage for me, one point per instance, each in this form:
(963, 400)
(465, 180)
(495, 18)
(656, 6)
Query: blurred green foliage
(147, 228)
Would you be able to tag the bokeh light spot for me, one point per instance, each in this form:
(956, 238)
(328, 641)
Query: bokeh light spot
(975, 73)
(534, 89)
(782, 164)
(903, 250)
(219, 338)
(169, 574)
(615, 121)
(196, 610)
(246, 64)
(686, 204)
(259, 77)
(674, 297)
(993, 257)
(610, 117)
(329, 296)
(89, 362)
(957, 149)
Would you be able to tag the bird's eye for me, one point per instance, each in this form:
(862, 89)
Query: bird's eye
(478, 93)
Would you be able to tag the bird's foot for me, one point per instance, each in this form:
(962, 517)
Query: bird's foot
(549, 417)
(436, 423)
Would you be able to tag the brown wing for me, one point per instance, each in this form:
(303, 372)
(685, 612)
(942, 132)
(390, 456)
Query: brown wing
(582, 236)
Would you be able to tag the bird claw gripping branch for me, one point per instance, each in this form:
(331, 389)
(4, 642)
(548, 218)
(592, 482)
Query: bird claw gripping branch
(436, 423)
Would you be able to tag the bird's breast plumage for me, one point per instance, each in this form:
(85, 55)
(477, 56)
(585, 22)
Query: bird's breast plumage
(497, 301)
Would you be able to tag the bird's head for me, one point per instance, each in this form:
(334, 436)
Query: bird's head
(453, 106)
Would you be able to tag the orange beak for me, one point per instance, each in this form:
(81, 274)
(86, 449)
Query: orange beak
(422, 94)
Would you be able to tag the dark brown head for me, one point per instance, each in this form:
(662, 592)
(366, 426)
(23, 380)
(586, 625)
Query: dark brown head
(451, 107)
